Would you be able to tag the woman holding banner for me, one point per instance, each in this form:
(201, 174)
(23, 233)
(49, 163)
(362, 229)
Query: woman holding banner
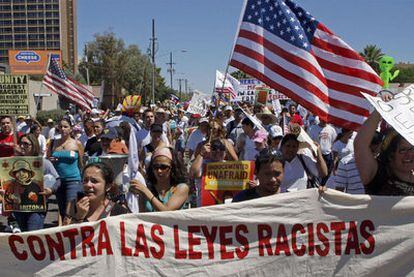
(167, 190)
(393, 172)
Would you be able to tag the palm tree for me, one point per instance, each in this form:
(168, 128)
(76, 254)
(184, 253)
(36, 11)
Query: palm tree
(372, 54)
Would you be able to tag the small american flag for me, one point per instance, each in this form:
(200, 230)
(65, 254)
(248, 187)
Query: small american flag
(284, 46)
(174, 98)
(226, 86)
(56, 80)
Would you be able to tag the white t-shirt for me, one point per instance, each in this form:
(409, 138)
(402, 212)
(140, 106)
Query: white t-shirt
(144, 138)
(250, 151)
(195, 138)
(325, 136)
(42, 144)
(347, 176)
(294, 177)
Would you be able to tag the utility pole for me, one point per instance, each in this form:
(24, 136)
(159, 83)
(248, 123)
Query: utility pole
(179, 86)
(87, 64)
(186, 85)
(153, 40)
(171, 70)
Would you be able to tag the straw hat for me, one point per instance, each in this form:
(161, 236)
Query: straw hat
(267, 113)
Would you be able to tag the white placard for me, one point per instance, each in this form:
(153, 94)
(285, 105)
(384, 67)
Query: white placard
(399, 112)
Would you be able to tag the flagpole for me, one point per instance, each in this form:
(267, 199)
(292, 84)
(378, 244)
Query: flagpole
(41, 84)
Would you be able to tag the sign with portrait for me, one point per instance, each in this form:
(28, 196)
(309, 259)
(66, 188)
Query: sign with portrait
(22, 182)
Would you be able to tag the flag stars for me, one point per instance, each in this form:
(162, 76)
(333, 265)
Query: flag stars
(288, 29)
(288, 11)
(249, 17)
(272, 27)
(292, 38)
(278, 24)
(292, 19)
(284, 21)
(256, 13)
(300, 36)
(253, 6)
(309, 30)
(263, 10)
(271, 8)
(312, 19)
(297, 28)
(260, 21)
(280, 12)
(281, 33)
(305, 45)
(274, 16)
(267, 18)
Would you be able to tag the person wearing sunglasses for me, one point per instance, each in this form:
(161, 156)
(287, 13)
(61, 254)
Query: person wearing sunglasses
(214, 151)
(392, 173)
(167, 190)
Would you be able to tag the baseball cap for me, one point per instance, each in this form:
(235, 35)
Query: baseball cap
(228, 108)
(276, 132)
(260, 136)
(203, 120)
(109, 133)
(50, 120)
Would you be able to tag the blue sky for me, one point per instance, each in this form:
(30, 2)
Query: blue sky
(206, 29)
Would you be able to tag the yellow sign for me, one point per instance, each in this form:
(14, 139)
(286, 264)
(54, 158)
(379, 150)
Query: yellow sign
(31, 61)
(14, 95)
(228, 175)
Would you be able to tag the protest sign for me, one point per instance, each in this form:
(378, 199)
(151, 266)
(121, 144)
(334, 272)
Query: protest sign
(399, 112)
(14, 95)
(294, 234)
(198, 103)
(22, 181)
(262, 95)
(247, 90)
(222, 180)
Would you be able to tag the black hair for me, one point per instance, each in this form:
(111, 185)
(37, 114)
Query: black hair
(387, 154)
(267, 157)
(177, 173)
(34, 127)
(377, 138)
(4, 117)
(106, 171)
(247, 121)
(67, 120)
(287, 138)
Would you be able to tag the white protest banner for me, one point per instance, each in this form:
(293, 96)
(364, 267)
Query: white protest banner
(198, 103)
(294, 234)
(246, 91)
(399, 112)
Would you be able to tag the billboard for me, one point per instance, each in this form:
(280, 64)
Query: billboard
(31, 61)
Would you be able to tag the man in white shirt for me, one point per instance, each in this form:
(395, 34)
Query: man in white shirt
(325, 135)
(143, 135)
(197, 136)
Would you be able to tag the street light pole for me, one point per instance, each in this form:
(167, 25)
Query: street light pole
(153, 39)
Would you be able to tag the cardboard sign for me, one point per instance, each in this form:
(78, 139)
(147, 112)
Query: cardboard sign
(399, 112)
(222, 180)
(31, 61)
(22, 181)
(14, 95)
(198, 104)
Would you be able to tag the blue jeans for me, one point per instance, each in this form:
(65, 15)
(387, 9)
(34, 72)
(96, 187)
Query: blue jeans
(66, 193)
(30, 221)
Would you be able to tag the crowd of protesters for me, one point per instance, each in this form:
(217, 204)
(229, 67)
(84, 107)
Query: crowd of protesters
(173, 146)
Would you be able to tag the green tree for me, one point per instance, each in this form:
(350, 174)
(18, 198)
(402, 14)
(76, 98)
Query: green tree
(406, 73)
(121, 67)
(372, 53)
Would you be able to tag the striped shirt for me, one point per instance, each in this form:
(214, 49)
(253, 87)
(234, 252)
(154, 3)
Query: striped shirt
(347, 176)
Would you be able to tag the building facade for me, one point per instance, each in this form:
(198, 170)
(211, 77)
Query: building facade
(39, 25)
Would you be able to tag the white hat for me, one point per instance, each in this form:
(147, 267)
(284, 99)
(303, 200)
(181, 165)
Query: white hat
(50, 120)
(276, 131)
(228, 108)
(203, 119)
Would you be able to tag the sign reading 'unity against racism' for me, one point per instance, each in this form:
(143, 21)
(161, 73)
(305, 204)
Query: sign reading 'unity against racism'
(294, 234)
(14, 94)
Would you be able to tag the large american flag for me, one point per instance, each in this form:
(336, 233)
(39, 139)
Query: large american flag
(284, 46)
(56, 80)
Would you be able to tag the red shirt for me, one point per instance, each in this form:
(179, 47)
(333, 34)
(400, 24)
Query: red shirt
(296, 118)
(6, 145)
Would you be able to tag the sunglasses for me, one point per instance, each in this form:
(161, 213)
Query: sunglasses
(161, 166)
(25, 144)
